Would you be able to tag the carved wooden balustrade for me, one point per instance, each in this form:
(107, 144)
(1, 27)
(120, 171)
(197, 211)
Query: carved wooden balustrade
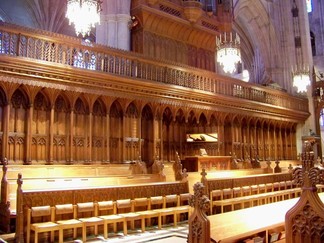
(43, 46)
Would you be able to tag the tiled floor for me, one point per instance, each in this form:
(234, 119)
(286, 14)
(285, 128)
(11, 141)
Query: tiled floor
(165, 235)
(168, 234)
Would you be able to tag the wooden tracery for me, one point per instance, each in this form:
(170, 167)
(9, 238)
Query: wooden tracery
(199, 225)
(304, 222)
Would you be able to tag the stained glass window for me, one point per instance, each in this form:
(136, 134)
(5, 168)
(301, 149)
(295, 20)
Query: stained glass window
(309, 6)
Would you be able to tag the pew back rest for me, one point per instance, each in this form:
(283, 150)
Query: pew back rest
(184, 199)
(108, 206)
(141, 204)
(86, 209)
(41, 211)
(74, 183)
(171, 201)
(124, 206)
(222, 183)
(227, 193)
(65, 211)
(157, 202)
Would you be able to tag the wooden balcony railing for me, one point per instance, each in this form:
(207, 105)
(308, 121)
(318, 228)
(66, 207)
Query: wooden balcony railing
(64, 50)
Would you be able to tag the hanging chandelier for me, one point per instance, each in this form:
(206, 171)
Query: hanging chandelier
(84, 14)
(228, 51)
(301, 81)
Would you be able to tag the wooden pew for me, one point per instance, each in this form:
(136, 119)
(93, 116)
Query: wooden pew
(231, 182)
(294, 220)
(212, 186)
(82, 182)
(50, 177)
(241, 225)
(266, 197)
(31, 198)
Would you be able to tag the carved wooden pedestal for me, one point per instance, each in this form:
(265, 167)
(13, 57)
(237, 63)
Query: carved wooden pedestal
(199, 225)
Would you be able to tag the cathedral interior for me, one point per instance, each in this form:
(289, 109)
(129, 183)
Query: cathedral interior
(149, 83)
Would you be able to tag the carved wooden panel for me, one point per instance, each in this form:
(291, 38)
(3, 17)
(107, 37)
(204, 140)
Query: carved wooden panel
(239, 182)
(220, 184)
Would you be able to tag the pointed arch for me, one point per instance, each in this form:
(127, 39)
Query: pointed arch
(40, 128)
(60, 129)
(19, 105)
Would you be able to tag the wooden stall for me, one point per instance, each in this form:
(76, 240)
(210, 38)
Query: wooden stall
(34, 198)
(55, 177)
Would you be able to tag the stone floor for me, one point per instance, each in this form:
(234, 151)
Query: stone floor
(168, 234)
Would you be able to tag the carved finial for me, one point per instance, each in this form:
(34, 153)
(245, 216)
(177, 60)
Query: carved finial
(177, 168)
(184, 175)
(199, 225)
(290, 168)
(203, 173)
(199, 200)
(4, 165)
(308, 176)
(19, 180)
(268, 169)
(277, 168)
(203, 180)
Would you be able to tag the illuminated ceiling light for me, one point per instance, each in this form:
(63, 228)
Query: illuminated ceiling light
(84, 14)
(245, 75)
(301, 81)
(228, 51)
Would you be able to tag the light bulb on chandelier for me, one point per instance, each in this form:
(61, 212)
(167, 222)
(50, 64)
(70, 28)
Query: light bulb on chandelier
(228, 51)
(301, 80)
(84, 14)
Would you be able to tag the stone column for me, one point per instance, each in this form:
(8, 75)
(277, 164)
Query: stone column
(114, 29)
(123, 31)
(106, 31)
(111, 38)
